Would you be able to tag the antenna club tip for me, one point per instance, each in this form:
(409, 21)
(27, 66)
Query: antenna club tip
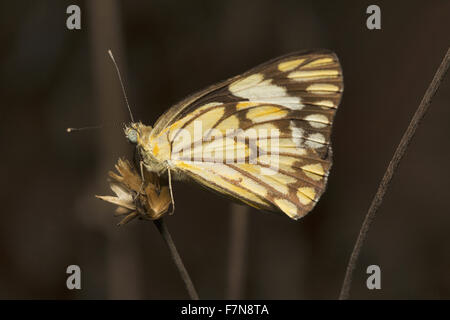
(69, 130)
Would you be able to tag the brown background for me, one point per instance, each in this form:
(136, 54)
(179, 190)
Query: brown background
(53, 78)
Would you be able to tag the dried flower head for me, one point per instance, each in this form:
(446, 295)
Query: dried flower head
(134, 199)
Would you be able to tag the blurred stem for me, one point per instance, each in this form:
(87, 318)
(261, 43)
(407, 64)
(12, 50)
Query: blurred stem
(105, 29)
(393, 165)
(237, 253)
(164, 231)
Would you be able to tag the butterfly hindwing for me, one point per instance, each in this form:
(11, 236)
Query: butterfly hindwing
(295, 96)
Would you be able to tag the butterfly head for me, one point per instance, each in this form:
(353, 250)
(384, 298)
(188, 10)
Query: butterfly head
(131, 135)
(137, 133)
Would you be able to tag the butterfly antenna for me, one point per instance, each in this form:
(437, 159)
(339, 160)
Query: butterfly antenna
(70, 130)
(121, 84)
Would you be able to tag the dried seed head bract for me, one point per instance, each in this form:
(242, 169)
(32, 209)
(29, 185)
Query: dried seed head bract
(134, 200)
(148, 201)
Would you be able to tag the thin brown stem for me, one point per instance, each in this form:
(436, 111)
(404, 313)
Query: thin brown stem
(393, 165)
(122, 258)
(237, 254)
(164, 231)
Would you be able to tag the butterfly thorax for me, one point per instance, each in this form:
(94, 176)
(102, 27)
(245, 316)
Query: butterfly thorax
(141, 135)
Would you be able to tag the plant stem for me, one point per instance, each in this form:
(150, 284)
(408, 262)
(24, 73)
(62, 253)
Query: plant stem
(122, 256)
(237, 256)
(164, 231)
(393, 165)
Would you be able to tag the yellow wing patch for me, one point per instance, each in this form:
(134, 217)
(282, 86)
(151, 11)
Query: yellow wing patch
(319, 62)
(246, 83)
(308, 75)
(287, 207)
(318, 87)
(289, 65)
(265, 113)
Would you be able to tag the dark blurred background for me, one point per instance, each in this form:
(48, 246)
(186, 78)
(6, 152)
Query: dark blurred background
(53, 78)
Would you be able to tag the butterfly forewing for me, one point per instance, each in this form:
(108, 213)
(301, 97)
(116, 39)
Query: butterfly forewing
(290, 101)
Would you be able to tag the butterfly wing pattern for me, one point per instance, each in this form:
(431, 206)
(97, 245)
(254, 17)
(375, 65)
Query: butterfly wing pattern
(289, 103)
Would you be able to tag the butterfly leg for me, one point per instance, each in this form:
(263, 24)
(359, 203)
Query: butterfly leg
(141, 189)
(170, 189)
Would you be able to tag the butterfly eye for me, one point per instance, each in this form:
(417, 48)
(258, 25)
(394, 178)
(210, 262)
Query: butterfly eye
(132, 135)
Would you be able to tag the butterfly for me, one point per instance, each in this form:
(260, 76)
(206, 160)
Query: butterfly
(289, 102)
